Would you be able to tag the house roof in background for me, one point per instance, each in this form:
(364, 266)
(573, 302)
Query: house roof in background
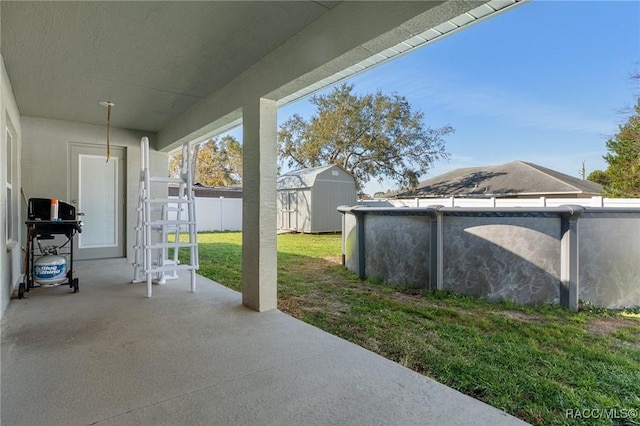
(510, 179)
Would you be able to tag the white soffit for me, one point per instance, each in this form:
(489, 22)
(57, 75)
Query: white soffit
(433, 34)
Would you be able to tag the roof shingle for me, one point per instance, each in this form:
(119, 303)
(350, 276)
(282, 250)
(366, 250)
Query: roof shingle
(510, 179)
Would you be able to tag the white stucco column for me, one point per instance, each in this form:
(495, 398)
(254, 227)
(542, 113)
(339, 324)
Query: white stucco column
(259, 255)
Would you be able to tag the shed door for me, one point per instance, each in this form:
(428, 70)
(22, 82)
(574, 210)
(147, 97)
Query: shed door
(288, 201)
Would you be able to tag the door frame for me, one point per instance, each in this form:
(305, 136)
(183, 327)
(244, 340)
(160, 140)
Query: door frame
(288, 213)
(117, 151)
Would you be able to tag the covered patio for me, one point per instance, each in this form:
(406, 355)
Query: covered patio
(176, 72)
(110, 356)
(181, 72)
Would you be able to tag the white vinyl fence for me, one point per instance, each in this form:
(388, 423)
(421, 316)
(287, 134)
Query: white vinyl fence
(503, 202)
(217, 214)
(225, 214)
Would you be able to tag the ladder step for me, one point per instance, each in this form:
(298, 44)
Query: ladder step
(170, 245)
(165, 208)
(171, 200)
(165, 262)
(171, 268)
(170, 222)
(166, 179)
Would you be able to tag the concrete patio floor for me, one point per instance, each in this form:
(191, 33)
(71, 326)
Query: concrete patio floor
(109, 356)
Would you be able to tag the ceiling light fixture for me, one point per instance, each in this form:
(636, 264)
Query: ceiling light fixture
(109, 105)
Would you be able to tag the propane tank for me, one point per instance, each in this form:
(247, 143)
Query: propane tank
(50, 269)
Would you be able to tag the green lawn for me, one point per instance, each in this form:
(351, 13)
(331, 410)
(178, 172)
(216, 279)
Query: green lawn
(534, 363)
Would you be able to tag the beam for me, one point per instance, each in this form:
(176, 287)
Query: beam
(346, 35)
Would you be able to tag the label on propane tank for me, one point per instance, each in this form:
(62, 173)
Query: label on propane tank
(45, 272)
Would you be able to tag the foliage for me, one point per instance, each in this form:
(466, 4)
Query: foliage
(370, 136)
(623, 158)
(218, 162)
(537, 363)
(599, 176)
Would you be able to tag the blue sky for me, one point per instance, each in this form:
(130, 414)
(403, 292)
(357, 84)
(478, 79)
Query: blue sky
(545, 82)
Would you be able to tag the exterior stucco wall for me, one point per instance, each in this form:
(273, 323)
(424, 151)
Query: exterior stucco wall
(10, 254)
(45, 169)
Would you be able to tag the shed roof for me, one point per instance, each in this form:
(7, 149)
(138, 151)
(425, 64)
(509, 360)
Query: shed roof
(304, 178)
(514, 178)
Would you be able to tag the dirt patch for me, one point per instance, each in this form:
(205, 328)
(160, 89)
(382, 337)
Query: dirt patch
(313, 301)
(292, 306)
(333, 259)
(410, 296)
(606, 326)
(521, 316)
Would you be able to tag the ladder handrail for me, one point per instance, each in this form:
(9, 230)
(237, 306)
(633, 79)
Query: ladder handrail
(146, 247)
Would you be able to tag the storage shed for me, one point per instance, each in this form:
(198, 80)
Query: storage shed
(308, 199)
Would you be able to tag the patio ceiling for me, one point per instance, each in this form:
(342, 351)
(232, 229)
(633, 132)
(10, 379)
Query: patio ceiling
(181, 69)
(153, 59)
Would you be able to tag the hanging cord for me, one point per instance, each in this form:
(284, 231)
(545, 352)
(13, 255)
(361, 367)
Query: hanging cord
(109, 105)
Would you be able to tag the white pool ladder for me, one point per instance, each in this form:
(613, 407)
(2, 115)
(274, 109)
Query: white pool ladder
(164, 223)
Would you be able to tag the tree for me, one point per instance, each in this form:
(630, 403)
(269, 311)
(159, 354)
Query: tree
(370, 136)
(218, 162)
(599, 176)
(623, 158)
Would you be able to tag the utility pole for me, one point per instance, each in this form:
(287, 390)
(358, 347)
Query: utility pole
(583, 171)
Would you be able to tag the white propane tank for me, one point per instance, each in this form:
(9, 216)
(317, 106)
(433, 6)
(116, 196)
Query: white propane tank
(50, 269)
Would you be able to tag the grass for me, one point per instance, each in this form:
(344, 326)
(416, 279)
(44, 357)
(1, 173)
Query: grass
(532, 362)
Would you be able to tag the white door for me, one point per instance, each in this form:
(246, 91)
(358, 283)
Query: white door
(97, 190)
(287, 209)
(292, 204)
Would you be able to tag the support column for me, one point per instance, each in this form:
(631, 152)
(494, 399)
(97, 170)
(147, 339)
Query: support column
(259, 251)
(436, 245)
(360, 217)
(570, 284)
